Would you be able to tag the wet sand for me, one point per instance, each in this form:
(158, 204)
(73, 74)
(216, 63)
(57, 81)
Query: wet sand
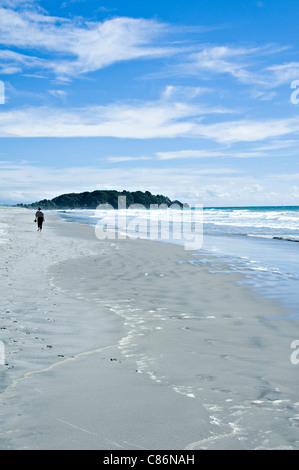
(134, 344)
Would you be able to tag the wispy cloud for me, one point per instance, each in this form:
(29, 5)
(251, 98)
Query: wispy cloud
(71, 47)
(240, 63)
(285, 177)
(17, 3)
(14, 62)
(79, 46)
(248, 130)
(201, 154)
(138, 120)
(25, 182)
(116, 159)
(283, 73)
(145, 121)
(182, 154)
(141, 120)
(172, 92)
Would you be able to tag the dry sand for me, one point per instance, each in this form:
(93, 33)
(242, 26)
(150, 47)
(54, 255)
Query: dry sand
(134, 344)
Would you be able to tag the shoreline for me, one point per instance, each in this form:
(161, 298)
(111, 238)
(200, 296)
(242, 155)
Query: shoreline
(263, 262)
(125, 344)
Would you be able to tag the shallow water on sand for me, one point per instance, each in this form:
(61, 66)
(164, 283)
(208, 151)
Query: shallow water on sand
(193, 327)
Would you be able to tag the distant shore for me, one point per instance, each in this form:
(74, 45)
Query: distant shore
(125, 344)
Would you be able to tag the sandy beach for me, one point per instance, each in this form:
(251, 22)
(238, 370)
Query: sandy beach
(135, 344)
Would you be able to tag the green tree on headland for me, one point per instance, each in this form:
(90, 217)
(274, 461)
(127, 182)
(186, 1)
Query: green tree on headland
(91, 200)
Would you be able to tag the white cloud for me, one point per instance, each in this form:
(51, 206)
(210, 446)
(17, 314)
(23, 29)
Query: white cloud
(295, 192)
(238, 62)
(248, 131)
(285, 177)
(178, 154)
(70, 47)
(142, 120)
(137, 120)
(80, 47)
(17, 3)
(221, 60)
(288, 145)
(208, 186)
(197, 154)
(263, 95)
(14, 62)
(117, 159)
(58, 93)
(283, 73)
(185, 92)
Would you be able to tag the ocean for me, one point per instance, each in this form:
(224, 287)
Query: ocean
(261, 242)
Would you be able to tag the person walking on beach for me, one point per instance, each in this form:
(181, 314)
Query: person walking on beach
(40, 218)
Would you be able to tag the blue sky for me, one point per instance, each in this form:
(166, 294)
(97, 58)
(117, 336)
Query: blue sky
(197, 100)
